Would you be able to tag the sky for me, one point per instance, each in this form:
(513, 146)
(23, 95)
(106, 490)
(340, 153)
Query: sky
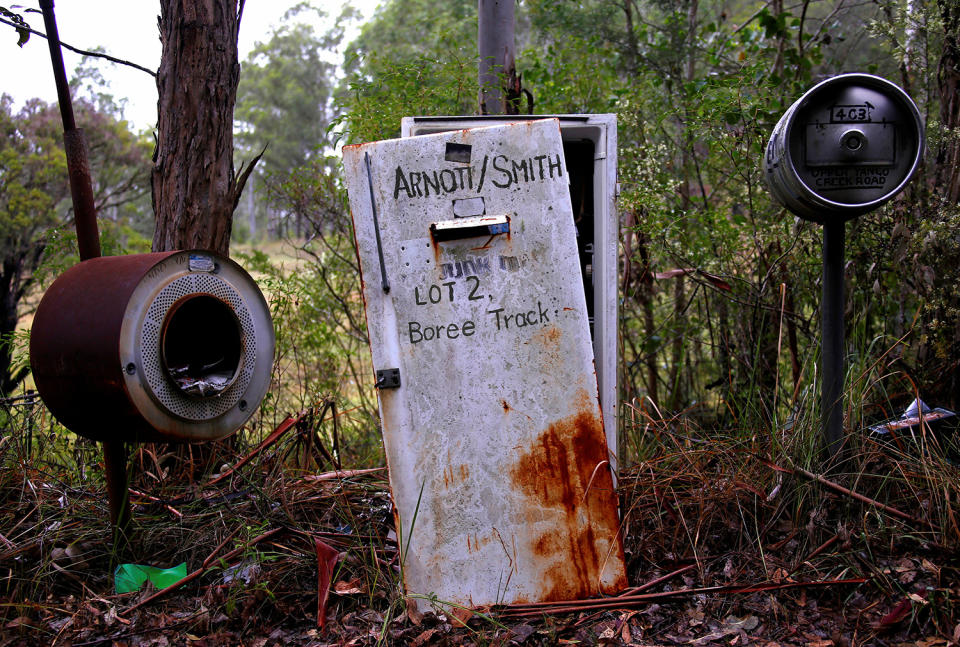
(126, 29)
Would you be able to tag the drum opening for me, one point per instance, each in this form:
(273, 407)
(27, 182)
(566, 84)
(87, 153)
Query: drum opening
(201, 345)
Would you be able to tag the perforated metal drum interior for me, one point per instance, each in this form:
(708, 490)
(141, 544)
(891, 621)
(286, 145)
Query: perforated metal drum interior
(161, 385)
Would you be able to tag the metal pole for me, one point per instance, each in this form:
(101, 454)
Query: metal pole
(495, 27)
(88, 242)
(81, 189)
(115, 471)
(832, 333)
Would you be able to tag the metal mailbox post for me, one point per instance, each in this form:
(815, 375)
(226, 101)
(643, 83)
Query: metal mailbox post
(848, 145)
(488, 395)
(590, 151)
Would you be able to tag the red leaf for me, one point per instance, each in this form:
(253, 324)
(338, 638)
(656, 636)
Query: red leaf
(717, 282)
(898, 613)
(326, 561)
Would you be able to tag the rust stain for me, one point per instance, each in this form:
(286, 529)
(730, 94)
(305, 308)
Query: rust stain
(455, 475)
(436, 249)
(548, 336)
(474, 543)
(554, 473)
(484, 246)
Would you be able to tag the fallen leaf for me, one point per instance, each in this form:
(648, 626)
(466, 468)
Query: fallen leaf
(748, 623)
(900, 611)
(349, 588)
(522, 632)
(460, 616)
(326, 561)
(423, 638)
(19, 621)
(413, 613)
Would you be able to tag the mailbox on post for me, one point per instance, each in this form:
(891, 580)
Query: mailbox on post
(170, 346)
(848, 145)
(844, 148)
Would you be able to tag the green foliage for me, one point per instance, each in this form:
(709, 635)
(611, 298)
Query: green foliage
(34, 205)
(283, 98)
(314, 294)
(395, 68)
(19, 25)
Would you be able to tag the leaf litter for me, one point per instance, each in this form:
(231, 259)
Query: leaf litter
(712, 558)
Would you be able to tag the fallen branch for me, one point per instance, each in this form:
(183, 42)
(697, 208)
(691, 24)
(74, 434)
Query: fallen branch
(638, 589)
(340, 474)
(652, 583)
(836, 487)
(630, 601)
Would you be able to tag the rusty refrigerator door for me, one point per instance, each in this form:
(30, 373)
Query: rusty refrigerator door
(488, 396)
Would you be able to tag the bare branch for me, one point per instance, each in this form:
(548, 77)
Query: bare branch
(82, 52)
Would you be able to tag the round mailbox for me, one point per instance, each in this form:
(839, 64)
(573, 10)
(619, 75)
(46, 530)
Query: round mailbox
(844, 148)
(174, 346)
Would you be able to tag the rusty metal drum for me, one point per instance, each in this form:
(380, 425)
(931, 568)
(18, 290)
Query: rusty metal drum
(848, 145)
(173, 346)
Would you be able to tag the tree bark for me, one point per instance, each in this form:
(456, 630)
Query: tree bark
(948, 77)
(195, 189)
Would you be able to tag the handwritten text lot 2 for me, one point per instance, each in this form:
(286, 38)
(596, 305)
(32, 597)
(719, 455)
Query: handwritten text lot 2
(502, 319)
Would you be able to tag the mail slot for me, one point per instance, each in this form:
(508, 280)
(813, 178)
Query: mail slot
(174, 346)
(844, 148)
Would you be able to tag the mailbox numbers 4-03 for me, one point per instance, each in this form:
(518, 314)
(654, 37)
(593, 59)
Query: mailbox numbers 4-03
(848, 114)
(435, 293)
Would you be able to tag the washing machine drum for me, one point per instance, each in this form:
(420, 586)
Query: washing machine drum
(174, 346)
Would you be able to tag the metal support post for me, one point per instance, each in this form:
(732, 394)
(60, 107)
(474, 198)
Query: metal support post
(832, 345)
(88, 242)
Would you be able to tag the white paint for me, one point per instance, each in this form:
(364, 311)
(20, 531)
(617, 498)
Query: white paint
(601, 131)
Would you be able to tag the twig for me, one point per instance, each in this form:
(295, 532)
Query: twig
(154, 499)
(638, 589)
(822, 547)
(842, 490)
(274, 436)
(652, 583)
(341, 474)
(82, 52)
(574, 606)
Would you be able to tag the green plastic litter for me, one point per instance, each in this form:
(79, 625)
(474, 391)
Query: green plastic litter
(130, 577)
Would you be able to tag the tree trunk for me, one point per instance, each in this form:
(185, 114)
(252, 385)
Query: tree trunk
(195, 189)
(948, 78)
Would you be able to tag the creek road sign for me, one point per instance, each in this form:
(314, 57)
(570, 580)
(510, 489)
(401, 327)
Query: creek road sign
(488, 395)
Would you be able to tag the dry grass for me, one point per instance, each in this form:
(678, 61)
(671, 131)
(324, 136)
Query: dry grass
(713, 529)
